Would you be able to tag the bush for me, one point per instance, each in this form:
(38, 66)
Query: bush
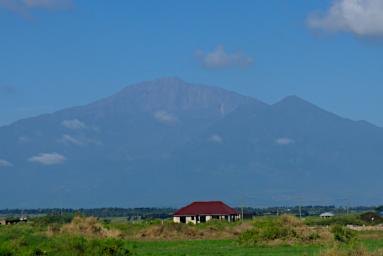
(52, 219)
(6, 252)
(343, 234)
(250, 237)
(336, 220)
(38, 252)
(371, 218)
(113, 247)
(285, 228)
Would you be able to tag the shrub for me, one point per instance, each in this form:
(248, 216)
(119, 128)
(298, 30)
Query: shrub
(287, 229)
(78, 245)
(52, 219)
(113, 247)
(38, 252)
(89, 227)
(6, 252)
(250, 237)
(340, 220)
(371, 218)
(343, 234)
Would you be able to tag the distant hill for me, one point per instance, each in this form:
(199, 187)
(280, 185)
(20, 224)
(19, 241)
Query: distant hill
(167, 142)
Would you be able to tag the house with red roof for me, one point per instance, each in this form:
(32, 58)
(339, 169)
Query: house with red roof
(199, 212)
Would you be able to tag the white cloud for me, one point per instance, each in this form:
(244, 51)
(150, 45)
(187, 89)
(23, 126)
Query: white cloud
(78, 141)
(48, 158)
(165, 117)
(215, 138)
(284, 141)
(5, 163)
(73, 124)
(361, 17)
(219, 58)
(68, 139)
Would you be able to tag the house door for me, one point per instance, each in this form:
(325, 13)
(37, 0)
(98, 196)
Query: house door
(202, 219)
(183, 219)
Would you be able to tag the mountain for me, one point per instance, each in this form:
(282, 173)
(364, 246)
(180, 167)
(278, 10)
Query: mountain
(166, 142)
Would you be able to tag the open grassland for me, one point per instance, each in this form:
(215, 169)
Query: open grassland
(266, 236)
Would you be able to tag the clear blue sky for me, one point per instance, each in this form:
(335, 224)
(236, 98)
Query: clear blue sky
(61, 53)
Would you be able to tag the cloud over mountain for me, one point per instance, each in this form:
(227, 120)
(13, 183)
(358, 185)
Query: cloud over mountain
(73, 124)
(48, 158)
(165, 117)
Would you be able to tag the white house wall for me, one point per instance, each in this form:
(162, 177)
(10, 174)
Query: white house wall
(190, 219)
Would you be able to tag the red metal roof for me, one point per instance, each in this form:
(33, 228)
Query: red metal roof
(206, 208)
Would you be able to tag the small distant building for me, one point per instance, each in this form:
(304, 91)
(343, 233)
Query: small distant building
(326, 215)
(200, 212)
(13, 221)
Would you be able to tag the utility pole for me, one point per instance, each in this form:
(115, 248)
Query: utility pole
(242, 206)
(242, 202)
(300, 212)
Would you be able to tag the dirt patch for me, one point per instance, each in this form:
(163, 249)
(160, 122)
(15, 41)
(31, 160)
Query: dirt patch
(366, 228)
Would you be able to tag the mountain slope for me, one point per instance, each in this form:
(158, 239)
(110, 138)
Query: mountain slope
(166, 142)
(292, 150)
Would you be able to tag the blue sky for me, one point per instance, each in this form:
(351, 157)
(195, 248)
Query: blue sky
(60, 53)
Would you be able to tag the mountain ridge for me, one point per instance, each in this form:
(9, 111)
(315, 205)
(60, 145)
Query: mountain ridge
(167, 137)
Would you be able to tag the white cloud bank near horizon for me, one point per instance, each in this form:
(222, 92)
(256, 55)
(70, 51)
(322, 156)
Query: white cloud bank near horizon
(48, 158)
(363, 18)
(219, 58)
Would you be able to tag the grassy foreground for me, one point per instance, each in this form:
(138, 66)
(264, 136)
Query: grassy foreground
(89, 236)
(218, 248)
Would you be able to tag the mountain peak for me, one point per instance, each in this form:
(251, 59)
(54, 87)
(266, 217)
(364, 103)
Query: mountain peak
(173, 94)
(293, 99)
(171, 80)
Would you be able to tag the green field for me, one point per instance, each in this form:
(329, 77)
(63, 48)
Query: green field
(218, 247)
(89, 236)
